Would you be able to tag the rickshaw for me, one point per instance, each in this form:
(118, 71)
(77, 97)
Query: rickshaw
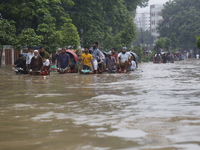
(73, 63)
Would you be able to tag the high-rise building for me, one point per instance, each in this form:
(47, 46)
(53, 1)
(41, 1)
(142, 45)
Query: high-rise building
(142, 20)
(155, 18)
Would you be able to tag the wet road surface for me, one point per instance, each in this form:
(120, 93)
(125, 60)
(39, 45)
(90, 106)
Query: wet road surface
(156, 107)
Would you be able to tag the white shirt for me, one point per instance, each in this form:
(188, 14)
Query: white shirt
(29, 56)
(124, 57)
(133, 65)
(46, 63)
(102, 55)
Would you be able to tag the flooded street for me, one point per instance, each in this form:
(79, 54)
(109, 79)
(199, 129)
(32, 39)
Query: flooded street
(155, 108)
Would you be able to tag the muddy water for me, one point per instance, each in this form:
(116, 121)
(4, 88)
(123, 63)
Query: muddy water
(155, 108)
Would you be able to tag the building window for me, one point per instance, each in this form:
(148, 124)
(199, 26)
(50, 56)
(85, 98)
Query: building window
(160, 13)
(153, 22)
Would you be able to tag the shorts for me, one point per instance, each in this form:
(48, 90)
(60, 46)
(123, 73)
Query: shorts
(122, 65)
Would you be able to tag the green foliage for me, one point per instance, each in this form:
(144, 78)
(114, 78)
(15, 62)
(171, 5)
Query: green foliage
(138, 50)
(160, 43)
(61, 23)
(141, 57)
(108, 22)
(70, 36)
(144, 36)
(7, 32)
(174, 41)
(163, 43)
(94, 33)
(47, 18)
(198, 41)
(167, 43)
(28, 37)
(181, 22)
(148, 58)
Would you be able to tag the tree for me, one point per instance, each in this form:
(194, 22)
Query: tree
(167, 43)
(28, 37)
(181, 22)
(45, 17)
(108, 22)
(138, 50)
(198, 41)
(163, 43)
(144, 37)
(70, 34)
(7, 32)
(160, 43)
(141, 56)
(58, 21)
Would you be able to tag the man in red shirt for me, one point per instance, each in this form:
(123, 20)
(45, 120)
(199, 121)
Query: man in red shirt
(114, 53)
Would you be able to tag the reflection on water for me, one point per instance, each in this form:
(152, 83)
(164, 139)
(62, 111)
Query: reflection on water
(155, 108)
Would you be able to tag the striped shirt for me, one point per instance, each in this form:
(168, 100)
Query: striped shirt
(96, 53)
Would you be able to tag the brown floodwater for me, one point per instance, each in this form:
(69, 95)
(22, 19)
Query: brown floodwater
(156, 107)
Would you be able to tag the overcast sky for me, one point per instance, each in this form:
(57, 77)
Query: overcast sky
(147, 9)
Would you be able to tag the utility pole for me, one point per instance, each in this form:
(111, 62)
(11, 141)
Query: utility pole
(142, 39)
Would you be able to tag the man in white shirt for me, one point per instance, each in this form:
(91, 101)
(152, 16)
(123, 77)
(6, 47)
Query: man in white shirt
(124, 59)
(133, 65)
(45, 67)
(197, 56)
(46, 62)
(29, 56)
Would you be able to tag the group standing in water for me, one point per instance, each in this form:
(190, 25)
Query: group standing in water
(35, 62)
(92, 60)
(163, 58)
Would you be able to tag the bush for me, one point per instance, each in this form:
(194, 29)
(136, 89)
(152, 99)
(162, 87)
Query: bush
(147, 58)
(141, 57)
(198, 41)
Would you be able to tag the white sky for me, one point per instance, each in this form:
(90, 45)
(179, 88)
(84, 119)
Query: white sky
(147, 9)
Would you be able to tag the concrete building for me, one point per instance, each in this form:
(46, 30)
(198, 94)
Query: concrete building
(142, 20)
(155, 18)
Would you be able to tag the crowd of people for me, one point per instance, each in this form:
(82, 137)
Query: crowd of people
(91, 59)
(164, 57)
(94, 60)
(34, 61)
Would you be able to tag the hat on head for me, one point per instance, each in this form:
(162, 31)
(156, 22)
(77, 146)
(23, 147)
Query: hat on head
(36, 51)
(124, 48)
